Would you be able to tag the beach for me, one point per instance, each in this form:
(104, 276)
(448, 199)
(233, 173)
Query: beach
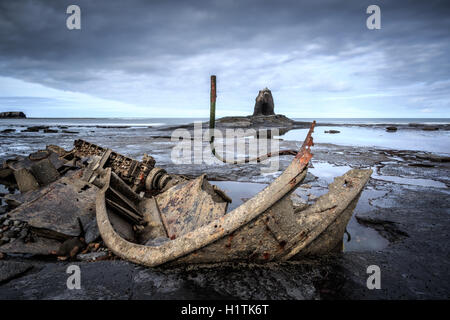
(401, 221)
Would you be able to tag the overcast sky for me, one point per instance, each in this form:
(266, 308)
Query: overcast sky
(154, 58)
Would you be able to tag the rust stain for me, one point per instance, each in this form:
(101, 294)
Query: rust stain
(230, 238)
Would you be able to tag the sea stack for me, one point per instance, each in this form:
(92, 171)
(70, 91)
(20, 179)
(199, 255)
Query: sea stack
(12, 115)
(264, 105)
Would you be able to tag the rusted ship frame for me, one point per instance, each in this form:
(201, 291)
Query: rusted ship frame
(265, 228)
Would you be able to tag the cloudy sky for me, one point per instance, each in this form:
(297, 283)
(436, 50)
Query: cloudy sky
(154, 58)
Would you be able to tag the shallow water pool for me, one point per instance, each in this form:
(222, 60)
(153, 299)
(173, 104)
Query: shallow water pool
(362, 238)
(429, 141)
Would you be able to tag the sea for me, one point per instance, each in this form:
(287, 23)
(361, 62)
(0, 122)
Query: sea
(99, 129)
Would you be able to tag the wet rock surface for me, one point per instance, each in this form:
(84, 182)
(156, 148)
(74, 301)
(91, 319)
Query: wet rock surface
(406, 202)
(10, 270)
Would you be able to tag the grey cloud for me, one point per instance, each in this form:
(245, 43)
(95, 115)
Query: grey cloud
(165, 40)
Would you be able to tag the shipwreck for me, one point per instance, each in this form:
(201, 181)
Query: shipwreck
(145, 215)
(70, 199)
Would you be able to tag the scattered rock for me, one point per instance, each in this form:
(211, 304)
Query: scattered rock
(311, 197)
(92, 256)
(112, 127)
(2, 255)
(9, 130)
(332, 131)
(23, 233)
(10, 234)
(391, 129)
(35, 128)
(430, 128)
(91, 232)
(93, 246)
(25, 180)
(422, 165)
(68, 131)
(50, 131)
(388, 229)
(70, 248)
(434, 158)
(58, 219)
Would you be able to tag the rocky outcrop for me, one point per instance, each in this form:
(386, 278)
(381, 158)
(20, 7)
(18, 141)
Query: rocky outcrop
(391, 129)
(264, 105)
(256, 122)
(12, 115)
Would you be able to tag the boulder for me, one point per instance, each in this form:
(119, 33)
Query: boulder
(8, 130)
(35, 128)
(430, 128)
(50, 131)
(391, 129)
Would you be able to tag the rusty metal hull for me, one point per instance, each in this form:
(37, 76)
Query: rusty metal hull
(265, 228)
(278, 233)
(192, 242)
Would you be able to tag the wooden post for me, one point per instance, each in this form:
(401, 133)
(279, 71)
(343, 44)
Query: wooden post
(212, 111)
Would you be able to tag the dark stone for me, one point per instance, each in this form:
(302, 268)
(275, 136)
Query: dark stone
(430, 128)
(44, 171)
(23, 234)
(10, 234)
(25, 180)
(433, 158)
(8, 130)
(50, 131)
(40, 246)
(70, 247)
(92, 256)
(54, 211)
(100, 279)
(391, 129)
(10, 270)
(12, 115)
(35, 128)
(264, 103)
(332, 131)
(90, 228)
